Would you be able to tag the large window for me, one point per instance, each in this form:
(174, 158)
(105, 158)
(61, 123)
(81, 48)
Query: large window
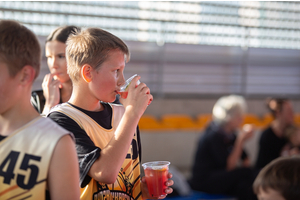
(240, 23)
(188, 48)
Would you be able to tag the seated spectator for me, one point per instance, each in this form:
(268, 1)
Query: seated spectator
(279, 180)
(272, 139)
(220, 150)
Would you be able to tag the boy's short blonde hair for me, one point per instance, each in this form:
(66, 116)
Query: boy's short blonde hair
(19, 47)
(91, 46)
(282, 175)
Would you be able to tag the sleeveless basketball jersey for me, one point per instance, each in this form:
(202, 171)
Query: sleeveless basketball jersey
(127, 186)
(25, 158)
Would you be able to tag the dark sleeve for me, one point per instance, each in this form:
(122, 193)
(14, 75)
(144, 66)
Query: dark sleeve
(219, 150)
(87, 152)
(38, 100)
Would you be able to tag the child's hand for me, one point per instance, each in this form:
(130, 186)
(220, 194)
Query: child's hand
(51, 91)
(138, 97)
(145, 192)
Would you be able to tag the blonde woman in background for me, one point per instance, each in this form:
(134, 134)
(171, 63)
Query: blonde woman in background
(220, 150)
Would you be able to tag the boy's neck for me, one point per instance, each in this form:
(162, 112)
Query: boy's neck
(85, 102)
(16, 117)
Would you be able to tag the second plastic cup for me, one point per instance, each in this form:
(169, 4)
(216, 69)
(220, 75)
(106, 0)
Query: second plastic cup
(156, 174)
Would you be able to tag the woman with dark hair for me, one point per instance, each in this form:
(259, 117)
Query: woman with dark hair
(272, 139)
(57, 85)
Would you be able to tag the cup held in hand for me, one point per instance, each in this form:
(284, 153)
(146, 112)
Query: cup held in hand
(124, 88)
(156, 174)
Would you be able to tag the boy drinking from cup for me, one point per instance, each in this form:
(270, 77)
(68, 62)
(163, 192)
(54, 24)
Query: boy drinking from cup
(107, 140)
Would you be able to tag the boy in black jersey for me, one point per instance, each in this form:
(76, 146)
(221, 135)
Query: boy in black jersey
(107, 140)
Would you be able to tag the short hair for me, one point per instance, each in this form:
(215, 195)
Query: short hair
(228, 106)
(19, 47)
(91, 46)
(62, 33)
(282, 175)
(275, 105)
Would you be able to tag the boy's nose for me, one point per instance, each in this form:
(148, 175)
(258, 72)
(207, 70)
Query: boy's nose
(121, 80)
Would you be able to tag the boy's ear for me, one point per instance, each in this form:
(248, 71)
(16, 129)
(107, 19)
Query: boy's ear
(86, 73)
(27, 74)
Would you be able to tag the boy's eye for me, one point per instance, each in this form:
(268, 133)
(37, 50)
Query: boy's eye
(61, 56)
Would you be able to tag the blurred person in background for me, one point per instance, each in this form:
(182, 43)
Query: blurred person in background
(57, 85)
(272, 139)
(221, 165)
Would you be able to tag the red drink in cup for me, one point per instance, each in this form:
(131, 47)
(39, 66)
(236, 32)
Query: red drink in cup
(123, 94)
(156, 174)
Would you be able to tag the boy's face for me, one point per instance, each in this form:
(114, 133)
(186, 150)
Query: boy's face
(269, 194)
(107, 80)
(7, 88)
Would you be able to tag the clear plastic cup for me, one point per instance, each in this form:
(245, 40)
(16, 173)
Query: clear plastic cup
(156, 174)
(124, 88)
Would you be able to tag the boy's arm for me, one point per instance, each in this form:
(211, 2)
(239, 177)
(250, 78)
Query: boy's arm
(63, 175)
(106, 168)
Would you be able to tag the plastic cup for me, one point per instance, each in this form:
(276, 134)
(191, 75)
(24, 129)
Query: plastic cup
(156, 174)
(124, 88)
